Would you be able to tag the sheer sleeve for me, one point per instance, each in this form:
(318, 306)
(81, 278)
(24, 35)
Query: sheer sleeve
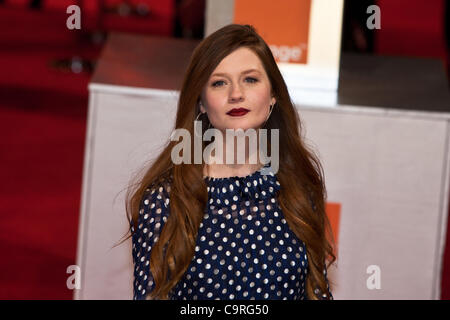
(153, 213)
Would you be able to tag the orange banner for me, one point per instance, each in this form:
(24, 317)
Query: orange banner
(333, 211)
(284, 25)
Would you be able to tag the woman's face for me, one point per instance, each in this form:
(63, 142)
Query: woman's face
(239, 81)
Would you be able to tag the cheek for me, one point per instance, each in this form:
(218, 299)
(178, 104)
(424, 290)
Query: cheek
(215, 102)
(261, 99)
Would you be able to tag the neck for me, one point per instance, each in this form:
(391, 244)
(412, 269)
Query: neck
(247, 163)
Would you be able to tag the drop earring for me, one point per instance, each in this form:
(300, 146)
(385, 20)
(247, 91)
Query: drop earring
(270, 112)
(271, 108)
(200, 113)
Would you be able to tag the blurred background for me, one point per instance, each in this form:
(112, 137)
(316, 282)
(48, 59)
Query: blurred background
(45, 69)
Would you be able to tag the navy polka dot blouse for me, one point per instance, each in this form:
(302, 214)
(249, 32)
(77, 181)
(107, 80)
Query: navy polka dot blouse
(244, 248)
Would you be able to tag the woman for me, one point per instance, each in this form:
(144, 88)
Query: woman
(228, 231)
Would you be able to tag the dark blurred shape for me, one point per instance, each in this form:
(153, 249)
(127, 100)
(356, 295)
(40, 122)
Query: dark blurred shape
(126, 8)
(145, 16)
(447, 35)
(189, 19)
(76, 64)
(35, 4)
(356, 37)
(393, 82)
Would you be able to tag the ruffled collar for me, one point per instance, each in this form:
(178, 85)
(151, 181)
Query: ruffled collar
(261, 184)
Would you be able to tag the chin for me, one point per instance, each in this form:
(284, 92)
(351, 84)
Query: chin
(244, 127)
(243, 124)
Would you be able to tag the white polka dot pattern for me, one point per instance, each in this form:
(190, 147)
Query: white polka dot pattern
(244, 248)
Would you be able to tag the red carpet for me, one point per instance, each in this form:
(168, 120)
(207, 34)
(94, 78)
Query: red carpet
(43, 113)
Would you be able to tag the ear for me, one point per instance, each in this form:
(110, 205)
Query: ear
(202, 109)
(273, 101)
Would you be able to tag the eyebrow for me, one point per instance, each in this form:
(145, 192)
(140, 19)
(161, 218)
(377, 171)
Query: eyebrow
(243, 72)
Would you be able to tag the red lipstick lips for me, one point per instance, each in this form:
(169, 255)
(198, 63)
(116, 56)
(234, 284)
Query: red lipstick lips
(237, 112)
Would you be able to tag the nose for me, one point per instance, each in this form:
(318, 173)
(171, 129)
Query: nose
(236, 93)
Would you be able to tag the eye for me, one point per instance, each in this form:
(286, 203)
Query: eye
(253, 80)
(215, 83)
(218, 83)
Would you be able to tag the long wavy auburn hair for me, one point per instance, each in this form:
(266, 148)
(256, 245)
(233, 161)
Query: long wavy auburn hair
(301, 197)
